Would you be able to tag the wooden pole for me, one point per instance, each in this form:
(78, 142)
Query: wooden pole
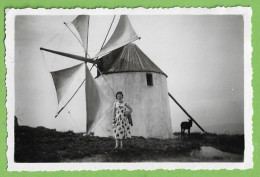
(185, 111)
(69, 99)
(76, 57)
(86, 52)
(108, 32)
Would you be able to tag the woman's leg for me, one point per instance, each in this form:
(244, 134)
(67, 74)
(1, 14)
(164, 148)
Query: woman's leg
(116, 143)
(121, 143)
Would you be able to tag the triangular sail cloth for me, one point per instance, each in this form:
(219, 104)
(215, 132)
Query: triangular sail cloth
(81, 23)
(96, 102)
(123, 34)
(67, 82)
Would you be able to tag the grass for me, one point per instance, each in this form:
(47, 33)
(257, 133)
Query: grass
(47, 145)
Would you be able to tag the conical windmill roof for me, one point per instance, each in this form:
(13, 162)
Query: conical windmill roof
(129, 58)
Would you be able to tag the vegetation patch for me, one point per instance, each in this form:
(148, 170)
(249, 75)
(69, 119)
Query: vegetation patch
(48, 145)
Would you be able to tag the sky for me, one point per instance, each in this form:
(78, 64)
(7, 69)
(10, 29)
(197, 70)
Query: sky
(201, 54)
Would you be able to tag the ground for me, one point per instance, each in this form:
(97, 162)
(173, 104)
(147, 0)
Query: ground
(47, 145)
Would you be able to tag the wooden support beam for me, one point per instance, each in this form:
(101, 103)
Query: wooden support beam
(76, 57)
(185, 111)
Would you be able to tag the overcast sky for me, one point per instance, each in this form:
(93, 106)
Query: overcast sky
(202, 56)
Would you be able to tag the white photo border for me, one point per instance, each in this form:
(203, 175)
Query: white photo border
(246, 12)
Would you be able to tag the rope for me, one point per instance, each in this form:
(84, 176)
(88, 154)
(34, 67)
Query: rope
(127, 73)
(125, 81)
(74, 35)
(106, 80)
(54, 36)
(48, 71)
(44, 63)
(69, 123)
(77, 38)
(53, 61)
(103, 118)
(72, 118)
(91, 67)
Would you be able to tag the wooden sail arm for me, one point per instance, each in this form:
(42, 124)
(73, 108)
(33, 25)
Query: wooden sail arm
(76, 57)
(185, 111)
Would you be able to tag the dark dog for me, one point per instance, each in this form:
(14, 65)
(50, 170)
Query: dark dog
(184, 126)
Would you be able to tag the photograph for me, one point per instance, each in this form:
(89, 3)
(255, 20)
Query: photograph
(123, 87)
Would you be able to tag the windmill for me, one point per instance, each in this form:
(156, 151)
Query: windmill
(121, 66)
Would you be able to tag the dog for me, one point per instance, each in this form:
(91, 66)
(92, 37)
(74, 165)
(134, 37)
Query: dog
(184, 126)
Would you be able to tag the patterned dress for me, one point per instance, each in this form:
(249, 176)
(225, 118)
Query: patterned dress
(121, 126)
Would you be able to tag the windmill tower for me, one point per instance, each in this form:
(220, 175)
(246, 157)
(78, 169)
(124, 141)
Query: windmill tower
(144, 86)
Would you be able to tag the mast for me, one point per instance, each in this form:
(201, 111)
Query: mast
(86, 52)
(185, 111)
(76, 57)
(86, 68)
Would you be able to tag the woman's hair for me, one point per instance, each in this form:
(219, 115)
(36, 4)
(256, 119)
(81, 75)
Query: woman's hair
(119, 93)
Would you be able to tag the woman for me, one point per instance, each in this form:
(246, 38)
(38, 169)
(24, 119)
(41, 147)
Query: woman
(121, 126)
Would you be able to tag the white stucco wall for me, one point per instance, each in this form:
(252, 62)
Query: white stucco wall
(151, 110)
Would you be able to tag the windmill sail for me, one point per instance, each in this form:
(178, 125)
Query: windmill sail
(81, 23)
(66, 82)
(123, 34)
(96, 101)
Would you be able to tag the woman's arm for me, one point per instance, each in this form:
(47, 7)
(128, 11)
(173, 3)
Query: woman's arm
(114, 110)
(129, 107)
